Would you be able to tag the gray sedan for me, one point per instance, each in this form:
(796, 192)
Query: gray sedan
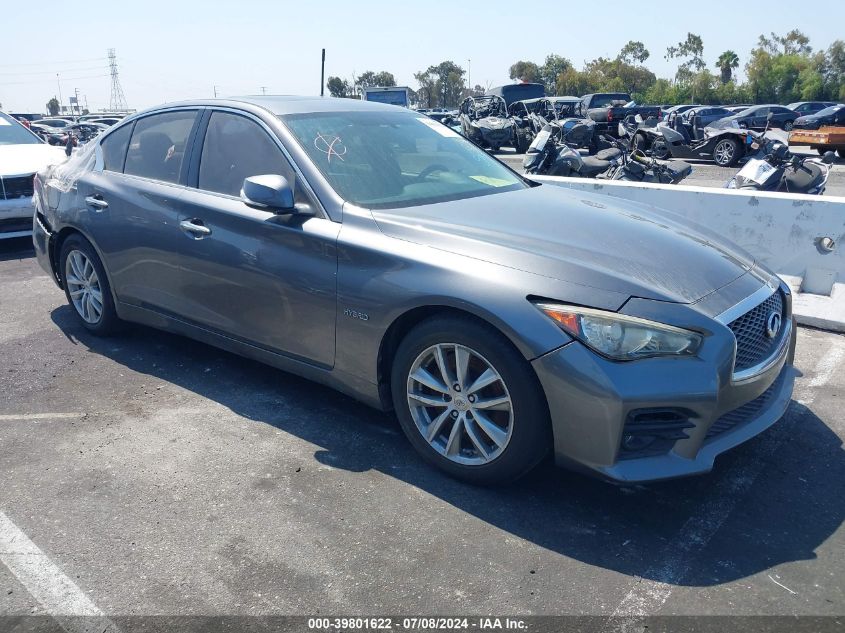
(373, 249)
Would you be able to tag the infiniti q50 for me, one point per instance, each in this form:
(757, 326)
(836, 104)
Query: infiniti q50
(375, 250)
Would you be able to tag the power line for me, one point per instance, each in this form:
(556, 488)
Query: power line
(53, 72)
(47, 80)
(75, 61)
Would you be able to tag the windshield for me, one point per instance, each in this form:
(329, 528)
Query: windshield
(603, 101)
(13, 133)
(383, 160)
(830, 110)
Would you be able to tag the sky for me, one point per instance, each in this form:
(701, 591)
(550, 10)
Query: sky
(182, 49)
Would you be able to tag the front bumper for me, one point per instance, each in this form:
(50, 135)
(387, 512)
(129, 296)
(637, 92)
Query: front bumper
(15, 217)
(593, 400)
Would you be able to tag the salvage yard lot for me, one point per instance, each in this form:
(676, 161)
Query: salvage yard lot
(709, 174)
(166, 477)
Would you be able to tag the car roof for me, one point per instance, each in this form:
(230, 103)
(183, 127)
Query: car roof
(563, 98)
(286, 104)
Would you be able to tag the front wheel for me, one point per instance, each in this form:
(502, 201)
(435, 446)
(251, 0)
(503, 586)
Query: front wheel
(469, 402)
(86, 286)
(659, 149)
(726, 152)
(788, 126)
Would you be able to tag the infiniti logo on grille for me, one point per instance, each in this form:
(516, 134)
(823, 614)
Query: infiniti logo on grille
(773, 324)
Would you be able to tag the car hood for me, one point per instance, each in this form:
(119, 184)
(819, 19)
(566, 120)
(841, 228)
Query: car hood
(581, 238)
(19, 160)
(493, 123)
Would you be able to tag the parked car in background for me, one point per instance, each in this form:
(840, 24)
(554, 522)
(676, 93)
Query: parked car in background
(757, 118)
(22, 153)
(86, 130)
(56, 122)
(51, 135)
(832, 115)
(678, 109)
(702, 116)
(501, 319)
(607, 109)
(803, 108)
(107, 121)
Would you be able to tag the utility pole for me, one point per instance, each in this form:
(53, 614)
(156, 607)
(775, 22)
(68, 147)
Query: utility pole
(76, 97)
(469, 73)
(117, 102)
(215, 92)
(323, 75)
(264, 90)
(58, 81)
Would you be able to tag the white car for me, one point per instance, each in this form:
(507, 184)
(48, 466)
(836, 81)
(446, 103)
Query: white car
(22, 153)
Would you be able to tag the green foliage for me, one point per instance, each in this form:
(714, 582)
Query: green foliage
(551, 70)
(634, 52)
(369, 79)
(53, 106)
(338, 87)
(442, 85)
(726, 64)
(525, 71)
(692, 51)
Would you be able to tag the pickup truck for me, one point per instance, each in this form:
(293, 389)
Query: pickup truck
(609, 108)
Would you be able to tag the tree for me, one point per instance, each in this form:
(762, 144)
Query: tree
(525, 71)
(369, 79)
(793, 43)
(551, 70)
(633, 52)
(726, 64)
(338, 87)
(53, 106)
(691, 49)
(441, 85)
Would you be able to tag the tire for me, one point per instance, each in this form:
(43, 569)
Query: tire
(788, 125)
(659, 149)
(841, 152)
(522, 141)
(87, 286)
(726, 152)
(640, 142)
(520, 435)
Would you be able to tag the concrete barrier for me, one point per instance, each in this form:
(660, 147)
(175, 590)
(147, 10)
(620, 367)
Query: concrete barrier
(800, 237)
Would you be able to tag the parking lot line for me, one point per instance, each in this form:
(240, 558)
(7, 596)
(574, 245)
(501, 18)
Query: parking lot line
(40, 416)
(648, 596)
(57, 593)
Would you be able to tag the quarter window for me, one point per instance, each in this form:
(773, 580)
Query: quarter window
(236, 148)
(158, 145)
(114, 148)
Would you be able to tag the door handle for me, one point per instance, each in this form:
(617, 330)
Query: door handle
(96, 202)
(197, 230)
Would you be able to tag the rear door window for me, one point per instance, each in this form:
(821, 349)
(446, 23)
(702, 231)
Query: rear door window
(158, 145)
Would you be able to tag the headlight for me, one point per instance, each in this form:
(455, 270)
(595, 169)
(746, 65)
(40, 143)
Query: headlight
(621, 337)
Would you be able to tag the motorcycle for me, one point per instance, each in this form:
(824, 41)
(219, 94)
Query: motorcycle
(549, 154)
(775, 168)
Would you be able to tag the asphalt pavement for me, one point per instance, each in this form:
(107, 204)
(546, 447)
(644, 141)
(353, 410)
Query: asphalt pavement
(147, 474)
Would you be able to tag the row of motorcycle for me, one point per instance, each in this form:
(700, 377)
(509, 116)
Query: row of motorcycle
(769, 165)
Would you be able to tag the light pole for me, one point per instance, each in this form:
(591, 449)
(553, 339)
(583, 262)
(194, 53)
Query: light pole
(469, 73)
(59, 83)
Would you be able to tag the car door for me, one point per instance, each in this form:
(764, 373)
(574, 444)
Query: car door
(247, 272)
(757, 120)
(131, 206)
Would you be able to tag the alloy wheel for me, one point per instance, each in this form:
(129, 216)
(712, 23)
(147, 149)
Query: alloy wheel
(83, 286)
(723, 153)
(460, 404)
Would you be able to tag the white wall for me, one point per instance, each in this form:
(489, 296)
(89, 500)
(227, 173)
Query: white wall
(783, 231)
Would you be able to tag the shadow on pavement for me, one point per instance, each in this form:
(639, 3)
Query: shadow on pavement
(16, 248)
(796, 504)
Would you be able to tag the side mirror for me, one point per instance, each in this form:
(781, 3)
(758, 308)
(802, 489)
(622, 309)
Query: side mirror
(268, 191)
(770, 116)
(828, 158)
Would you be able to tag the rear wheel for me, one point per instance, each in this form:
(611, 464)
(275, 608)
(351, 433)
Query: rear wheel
(726, 152)
(86, 286)
(523, 140)
(787, 126)
(469, 402)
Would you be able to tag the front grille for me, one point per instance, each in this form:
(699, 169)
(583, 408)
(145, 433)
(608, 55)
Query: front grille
(650, 432)
(17, 187)
(746, 413)
(753, 344)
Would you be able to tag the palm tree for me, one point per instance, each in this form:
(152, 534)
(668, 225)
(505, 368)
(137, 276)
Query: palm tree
(726, 63)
